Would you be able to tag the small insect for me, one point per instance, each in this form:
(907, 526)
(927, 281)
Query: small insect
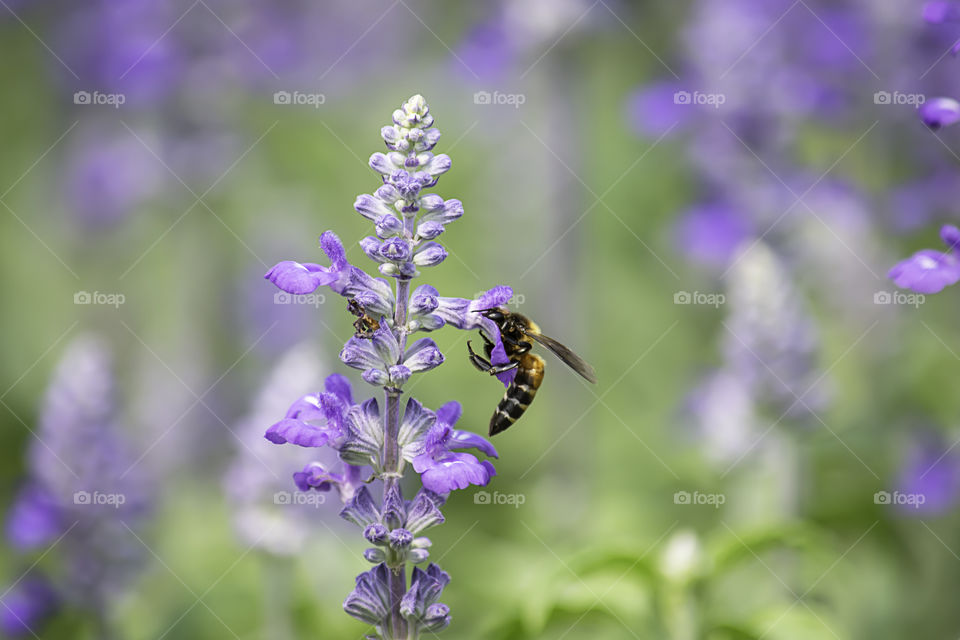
(365, 324)
(517, 331)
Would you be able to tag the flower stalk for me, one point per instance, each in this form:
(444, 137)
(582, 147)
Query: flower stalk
(407, 223)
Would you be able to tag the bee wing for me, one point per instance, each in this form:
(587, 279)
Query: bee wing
(569, 358)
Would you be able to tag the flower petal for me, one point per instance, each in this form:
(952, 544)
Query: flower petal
(469, 440)
(299, 433)
(339, 386)
(926, 271)
(939, 112)
(452, 471)
(299, 279)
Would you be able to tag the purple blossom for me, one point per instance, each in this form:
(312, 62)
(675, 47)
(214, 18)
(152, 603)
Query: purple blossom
(300, 279)
(441, 470)
(315, 477)
(929, 271)
(939, 112)
(315, 420)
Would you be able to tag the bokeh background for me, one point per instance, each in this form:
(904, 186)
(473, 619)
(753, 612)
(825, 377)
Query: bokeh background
(702, 198)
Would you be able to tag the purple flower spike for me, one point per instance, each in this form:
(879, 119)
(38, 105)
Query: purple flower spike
(939, 112)
(929, 271)
(406, 220)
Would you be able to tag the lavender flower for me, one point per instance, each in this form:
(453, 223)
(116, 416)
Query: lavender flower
(82, 488)
(771, 342)
(929, 271)
(407, 222)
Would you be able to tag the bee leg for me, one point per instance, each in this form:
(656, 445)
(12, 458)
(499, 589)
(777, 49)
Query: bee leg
(501, 368)
(485, 365)
(477, 360)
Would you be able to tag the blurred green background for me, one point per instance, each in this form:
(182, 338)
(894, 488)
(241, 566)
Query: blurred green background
(565, 203)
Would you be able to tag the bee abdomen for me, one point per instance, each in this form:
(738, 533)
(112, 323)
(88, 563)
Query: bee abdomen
(519, 395)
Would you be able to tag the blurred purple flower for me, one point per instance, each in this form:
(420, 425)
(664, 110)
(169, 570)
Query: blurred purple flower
(119, 47)
(710, 233)
(81, 461)
(108, 176)
(27, 604)
(656, 108)
(932, 470)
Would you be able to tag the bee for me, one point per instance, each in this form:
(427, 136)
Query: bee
(365, 324)
(518, 334)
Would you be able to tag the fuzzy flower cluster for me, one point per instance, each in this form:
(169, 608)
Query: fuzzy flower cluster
(407, 223)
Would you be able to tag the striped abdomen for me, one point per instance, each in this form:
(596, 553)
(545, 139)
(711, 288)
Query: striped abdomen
(519, 394)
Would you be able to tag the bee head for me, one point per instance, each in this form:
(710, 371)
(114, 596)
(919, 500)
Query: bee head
(496, 314)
